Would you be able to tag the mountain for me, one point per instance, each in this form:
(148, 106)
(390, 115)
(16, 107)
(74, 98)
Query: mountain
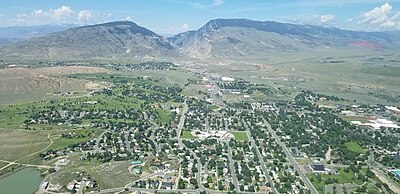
(115, 39)
(220, 38)
(18, 33)
(242, 37)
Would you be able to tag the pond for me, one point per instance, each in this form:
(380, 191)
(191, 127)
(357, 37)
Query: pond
(25, 181)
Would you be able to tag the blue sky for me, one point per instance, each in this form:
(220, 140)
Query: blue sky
(173, 16)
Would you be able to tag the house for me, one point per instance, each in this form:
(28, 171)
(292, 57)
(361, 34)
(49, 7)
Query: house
(167, 185)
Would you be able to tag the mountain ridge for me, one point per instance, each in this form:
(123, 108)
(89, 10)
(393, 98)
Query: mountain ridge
(123, 39)
(224, 38)
(218, 38)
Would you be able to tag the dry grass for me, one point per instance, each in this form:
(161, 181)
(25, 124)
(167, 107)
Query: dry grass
(19, 85)
(15, 144)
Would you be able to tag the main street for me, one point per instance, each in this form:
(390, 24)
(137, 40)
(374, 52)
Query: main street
(232, 168)
(260, 158)
(291, 158)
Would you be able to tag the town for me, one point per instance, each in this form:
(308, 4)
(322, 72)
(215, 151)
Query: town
(152, 137)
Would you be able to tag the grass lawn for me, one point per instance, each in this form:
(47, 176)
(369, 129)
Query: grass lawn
(342, 177)
(304, 161)
(164, 115)
(188, 135)
(61, 142)
(212, 107)
(354, 147)
(240, 135)
(363, 119)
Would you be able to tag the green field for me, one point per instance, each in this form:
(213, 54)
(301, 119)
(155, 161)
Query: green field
(187, 135)
(164, 115)
(363, 119)
(63, 142)
(240, 135)
(354, 147)
(342, 177)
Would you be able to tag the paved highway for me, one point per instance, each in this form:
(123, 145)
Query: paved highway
(232, 167)
(291, 159)
(260, 158)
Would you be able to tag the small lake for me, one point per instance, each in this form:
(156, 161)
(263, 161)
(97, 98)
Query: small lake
(25, 181)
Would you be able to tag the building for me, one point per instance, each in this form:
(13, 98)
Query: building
(137, 162)
(393, 109)
(227, 79)
(318, 168)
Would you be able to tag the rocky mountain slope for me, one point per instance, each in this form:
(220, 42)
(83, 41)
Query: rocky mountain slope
(122, 39)
(241, 38)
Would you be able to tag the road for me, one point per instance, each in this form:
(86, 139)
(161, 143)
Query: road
(232, 167)
(97, 146)
(145, 178)
(23, 164)
(214, 90)
(119, 189)
(381, 175)
(260, 158)
(34, 153)
(291, 158)
(182, 119)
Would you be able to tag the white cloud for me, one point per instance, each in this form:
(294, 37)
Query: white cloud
(327, 18)
(128, 18)
(381, 18)
(185, 27)
(85, 15)
(61, 13)
(218, 2)
(40, 13)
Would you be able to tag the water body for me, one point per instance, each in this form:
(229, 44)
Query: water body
(25, 181)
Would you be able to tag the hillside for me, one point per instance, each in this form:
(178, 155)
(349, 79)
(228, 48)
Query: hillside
(109, 40)
(248, 38)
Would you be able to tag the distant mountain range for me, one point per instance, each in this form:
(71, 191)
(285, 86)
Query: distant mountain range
(18, 33)
(221, 38)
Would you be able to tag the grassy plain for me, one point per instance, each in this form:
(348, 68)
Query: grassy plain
(357, 77)
(16, 144)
